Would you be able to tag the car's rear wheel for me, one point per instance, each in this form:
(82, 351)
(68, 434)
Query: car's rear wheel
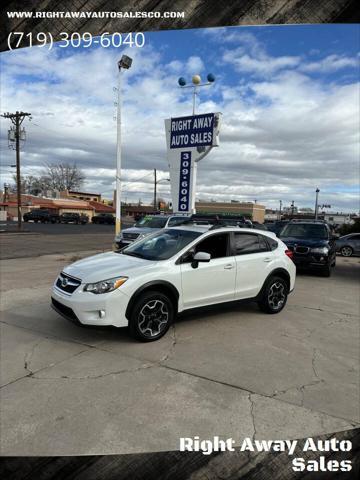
(346, 251)
(274, 295)
(151, 316)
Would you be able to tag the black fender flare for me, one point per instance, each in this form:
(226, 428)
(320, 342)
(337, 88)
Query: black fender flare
(161, 285)
(280, 272)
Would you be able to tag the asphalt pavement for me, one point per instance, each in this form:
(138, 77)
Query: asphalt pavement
(46, 239)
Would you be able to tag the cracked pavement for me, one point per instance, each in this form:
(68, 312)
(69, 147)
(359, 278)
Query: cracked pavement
(230, 371)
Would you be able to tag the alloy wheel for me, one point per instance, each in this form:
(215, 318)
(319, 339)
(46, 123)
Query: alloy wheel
(276, 295)
(153, 318)
(346, 251)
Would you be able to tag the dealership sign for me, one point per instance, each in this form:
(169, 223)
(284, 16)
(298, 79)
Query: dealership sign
(195, 131)
(189, 139)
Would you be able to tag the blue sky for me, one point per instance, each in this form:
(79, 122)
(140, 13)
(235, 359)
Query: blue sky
(289, 97)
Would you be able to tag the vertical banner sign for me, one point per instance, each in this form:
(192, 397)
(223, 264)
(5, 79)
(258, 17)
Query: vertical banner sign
(189, 139)
(184, 187)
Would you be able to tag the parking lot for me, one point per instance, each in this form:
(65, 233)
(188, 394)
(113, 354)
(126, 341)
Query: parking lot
(41, 239)
(228, 370)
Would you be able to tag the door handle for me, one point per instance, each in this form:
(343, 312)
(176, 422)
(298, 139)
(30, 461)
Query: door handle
(228, 267)
(267, 259)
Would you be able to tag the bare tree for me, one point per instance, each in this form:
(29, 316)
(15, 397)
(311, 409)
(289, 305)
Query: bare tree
(64, 176)
(31, 185)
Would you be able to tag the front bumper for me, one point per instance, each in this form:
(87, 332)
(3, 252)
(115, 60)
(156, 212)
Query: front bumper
(122, 243)
(89, 309)
(311, 260)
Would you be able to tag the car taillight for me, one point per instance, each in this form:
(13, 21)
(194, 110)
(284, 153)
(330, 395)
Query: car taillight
(289, 253)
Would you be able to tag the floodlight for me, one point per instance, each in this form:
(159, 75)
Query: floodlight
(125, 62)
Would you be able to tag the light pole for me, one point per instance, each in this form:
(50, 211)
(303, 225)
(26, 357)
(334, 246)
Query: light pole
(196, 80)
(280, 206)
(155, 185)
(124, 63)
(316, 203)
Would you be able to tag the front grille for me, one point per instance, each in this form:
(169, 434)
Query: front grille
(130, 236)
(301, 250)
(64, 310)
(67, 284)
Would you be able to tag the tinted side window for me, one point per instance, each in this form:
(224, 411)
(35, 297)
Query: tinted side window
(263, 244)
(216, 245)
(248, 243)
(175, 221)
(272, 243)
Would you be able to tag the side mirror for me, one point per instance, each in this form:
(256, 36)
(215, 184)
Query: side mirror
(200, 257)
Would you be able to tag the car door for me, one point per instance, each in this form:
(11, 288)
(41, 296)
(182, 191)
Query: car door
(355, 243)
(254, 262)
(210, 282)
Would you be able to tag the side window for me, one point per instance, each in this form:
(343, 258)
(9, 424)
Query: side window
(249, 243)
(216, 245)
(273, 243)
(175, 221)
(263, 244)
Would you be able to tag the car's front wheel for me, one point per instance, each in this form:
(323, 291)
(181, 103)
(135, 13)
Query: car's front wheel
(346, 251)
(151, 316)
(274, 295)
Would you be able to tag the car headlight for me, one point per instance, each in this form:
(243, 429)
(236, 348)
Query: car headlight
(105, 286)
(322, 250)
(143, 235)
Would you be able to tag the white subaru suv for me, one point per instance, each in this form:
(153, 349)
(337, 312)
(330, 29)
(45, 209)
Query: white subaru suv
(146, 284)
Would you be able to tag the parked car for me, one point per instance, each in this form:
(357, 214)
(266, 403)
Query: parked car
(348, 245)
(313, 244)
(277, 226)
(40, 215)
(104, 218)
(148, 224)
(259, 226)
(78, 218)
(145, 226)
(146, 284)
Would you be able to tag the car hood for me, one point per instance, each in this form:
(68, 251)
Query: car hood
(306, 242)
(105, 266)
(138, 231)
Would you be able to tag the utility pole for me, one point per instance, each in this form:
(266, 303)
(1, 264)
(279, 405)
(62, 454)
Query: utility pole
(292, 208)
(280, 206)
(17, 119)
(316, 203)
(155, 183)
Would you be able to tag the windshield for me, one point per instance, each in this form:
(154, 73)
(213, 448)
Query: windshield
(161, 245)
(305, 231)
(152, 222)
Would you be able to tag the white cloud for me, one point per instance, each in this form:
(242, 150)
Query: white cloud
(331, 63)
(194, 65)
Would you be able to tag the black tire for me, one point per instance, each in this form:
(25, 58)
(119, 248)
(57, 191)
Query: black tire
(346, 251)
(326, 271)
(274, 295)
(151, 329)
